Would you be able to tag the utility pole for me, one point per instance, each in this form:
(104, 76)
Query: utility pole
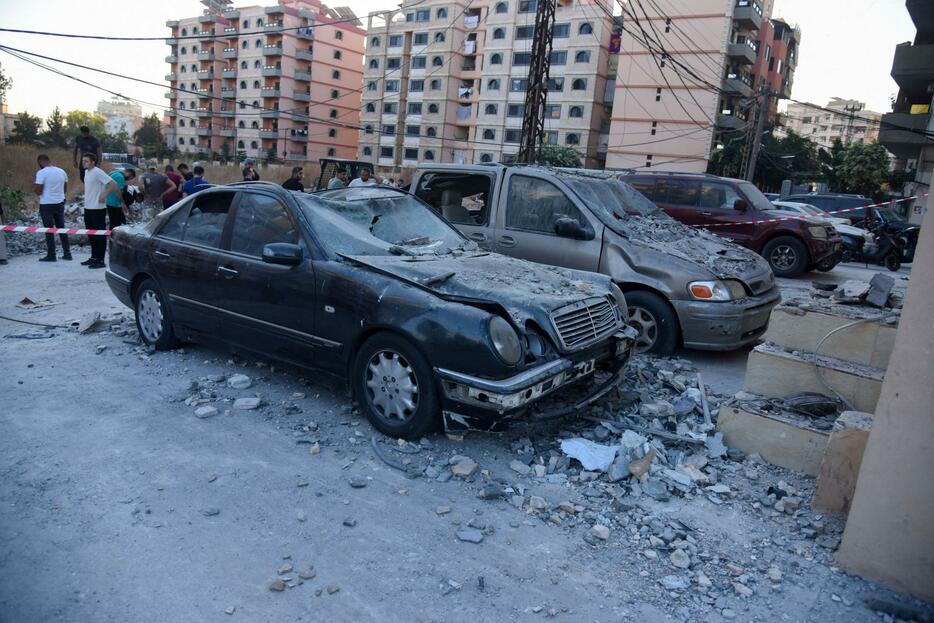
(536, 93)
(850, 110)
(762, 109)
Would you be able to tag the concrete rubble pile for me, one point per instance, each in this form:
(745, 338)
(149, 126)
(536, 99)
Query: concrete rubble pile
(24, 243)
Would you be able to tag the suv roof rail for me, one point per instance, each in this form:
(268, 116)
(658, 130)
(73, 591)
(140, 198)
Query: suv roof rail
(634, 172)
(262, 182)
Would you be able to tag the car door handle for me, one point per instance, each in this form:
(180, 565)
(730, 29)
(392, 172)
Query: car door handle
(227, 273)
(507, 241)
(707, 213)
(478, 237)
(161, 254)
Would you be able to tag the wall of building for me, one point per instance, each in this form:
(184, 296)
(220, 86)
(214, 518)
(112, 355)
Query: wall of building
(824, 127)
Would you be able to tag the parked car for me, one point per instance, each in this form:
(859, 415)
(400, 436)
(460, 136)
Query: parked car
(682, 285)
(735, 209)
(833, 202)
(369, 284)
(806, 209)
(852, 238)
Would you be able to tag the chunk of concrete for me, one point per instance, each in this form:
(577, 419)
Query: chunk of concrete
(839, 469)
(779, 441)
(879, 289)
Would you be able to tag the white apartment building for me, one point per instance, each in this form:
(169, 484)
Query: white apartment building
(445, 81)
(122, 115)
(852, 124)
(282, 79)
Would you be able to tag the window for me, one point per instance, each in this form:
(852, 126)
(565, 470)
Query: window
(585, 29)
(243, 65)
(432, 108)
(437, 61)
(489, 135)
(241, 124)
(429, 155)
(181, 123)
(439, 37)
(368, 129)
(528, 6)
(410, 153)
(181, 141)
(502, 7)
(435, 85)
(496, 59)
(371, 85)
(395, 41)
(335, 94)
(339, 35)
(184, 69)
(392, 86)
(389, 130)
(519, 85)
(259, 22)
(521, 58)
(420, 38)
(559, 58)
(646, 187)
(416, 86)
(390, 108)
(413, 130)
(207, 217)
(579, 84)
(515, 110)
(512, 136)
(415, 108)
(583, 56)
(499, 33)
(243, 84)
(442, 13)
(256, 84)
(255, 125)
(718, 196)
(260, 220)
(336, 75)
(241, 145)
(555, 85)
(184, 34)
(576, 112)
(393, 63)
(257, 64)
(258, 43)
(552, 111)
(525, 32)
(337, 55)
(422, 15)
(561, 31)
(432, 132)
(535, 205)
(486, 158)
(333, 113)
(246, 23)
(490, 109)
(573, 139)
(184, 50)
(332, 133)
(460, 198)
(493, 84)
(386, 152)
(367, 151)
(374, 42)
(254, 145)
(245, 45)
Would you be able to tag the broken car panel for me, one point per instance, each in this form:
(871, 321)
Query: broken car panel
(369, 284)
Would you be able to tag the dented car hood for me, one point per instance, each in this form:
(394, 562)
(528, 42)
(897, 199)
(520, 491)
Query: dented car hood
(525, 290)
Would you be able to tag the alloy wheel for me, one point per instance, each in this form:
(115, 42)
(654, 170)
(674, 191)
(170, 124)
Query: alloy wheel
(647, 326)
(149, 310)
(391, 386)
(783, 257)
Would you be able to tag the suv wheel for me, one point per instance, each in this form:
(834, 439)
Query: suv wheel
(787, 256)
(656, 323)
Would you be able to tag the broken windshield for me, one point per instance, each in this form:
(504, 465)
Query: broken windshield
(613, 195)
(377, 221)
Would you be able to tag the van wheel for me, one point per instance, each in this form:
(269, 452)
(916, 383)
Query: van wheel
(787, 256)
(395, 387)
(655, 321)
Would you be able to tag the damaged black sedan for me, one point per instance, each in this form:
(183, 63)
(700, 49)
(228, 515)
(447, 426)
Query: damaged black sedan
(371, 285)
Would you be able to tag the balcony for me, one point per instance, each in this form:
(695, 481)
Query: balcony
(269, 114)
(305, 33)
(229, 73)
(913, 66)
(171, 58)
(228, 132)
(273, 26)
(905, 143)
(227, 112)
(204, 112)
(171, 41)
(274, 10)
(204, 131)
(272, 71)
(206, 75)
(727, 120)
(172, 23)
(231, 31)
(304, 76)
(747, 14)
(226, 91)
(738, 84)
(300, 136)
(269, 92)
(272, 50)
(743, 53)
(229, 53)
(207, 18)
(171, 95)
(170, 112)
(268, 133)
(206, 55)
(172, 77)
(304, 55)
(232, 13)
(296, 156)
(301, 96)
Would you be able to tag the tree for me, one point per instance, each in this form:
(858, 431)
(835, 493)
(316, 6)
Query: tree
(272, 156)
(115, 143)
(77, 118)
(864, 169)
(790, 157)
(54, 135)
(26, 129)
(728, 161)
(558, 156)
(149, 137)
(6, 83)
(225, 152)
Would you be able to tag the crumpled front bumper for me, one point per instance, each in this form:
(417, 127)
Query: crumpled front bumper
(728, 325)
(475, 403)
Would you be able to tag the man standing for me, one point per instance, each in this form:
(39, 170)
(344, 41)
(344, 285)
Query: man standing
(339, 180)
(169, 199)
(184, 172)
(295, 182)
(85, 144)
(97, 187)
(249, 172)
(196, 183)
(364, 179)
(156, 187)
(51, 185)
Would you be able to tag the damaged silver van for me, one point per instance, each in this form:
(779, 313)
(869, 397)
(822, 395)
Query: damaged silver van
(683, 286)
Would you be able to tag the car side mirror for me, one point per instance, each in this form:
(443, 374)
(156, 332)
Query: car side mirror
(571, 228)
(283, 253)
(740, 205)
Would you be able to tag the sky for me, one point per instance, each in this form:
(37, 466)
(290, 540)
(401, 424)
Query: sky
(846, 49)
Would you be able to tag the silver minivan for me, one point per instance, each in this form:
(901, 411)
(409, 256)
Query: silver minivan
(683, 286)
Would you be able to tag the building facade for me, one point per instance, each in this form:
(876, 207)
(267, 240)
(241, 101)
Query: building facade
(279, 81)
(122, 115)
(776, 62)
(445, 81)
(670, 112)
(853, 123)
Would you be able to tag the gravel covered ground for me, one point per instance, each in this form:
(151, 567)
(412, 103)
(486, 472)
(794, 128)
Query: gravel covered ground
(133, 490)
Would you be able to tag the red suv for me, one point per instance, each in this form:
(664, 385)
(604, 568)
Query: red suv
(735, 209)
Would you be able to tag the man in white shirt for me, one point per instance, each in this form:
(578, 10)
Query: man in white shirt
(51, 186)
(364, 179)
(97, 185)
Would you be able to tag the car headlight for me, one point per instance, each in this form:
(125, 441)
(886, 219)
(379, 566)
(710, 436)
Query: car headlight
(620, 301)
(818, 232)
(728, 290)
(505, 341)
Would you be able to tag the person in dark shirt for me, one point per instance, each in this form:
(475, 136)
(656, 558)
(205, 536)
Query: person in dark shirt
(196, 182)
(172, 197)
(85, 144)
(184, 171)
(249, 172)
(295, 182)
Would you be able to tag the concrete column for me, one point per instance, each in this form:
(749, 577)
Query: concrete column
(889, 535)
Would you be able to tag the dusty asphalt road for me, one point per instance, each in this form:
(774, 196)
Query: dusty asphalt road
(107, 482)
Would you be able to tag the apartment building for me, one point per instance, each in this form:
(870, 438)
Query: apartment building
(853, 123)
(122, 115)
(669, 113)
(776, 62)
(280, 80)
(445, 81)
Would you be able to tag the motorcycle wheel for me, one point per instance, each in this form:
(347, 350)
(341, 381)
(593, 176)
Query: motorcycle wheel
(893, 262)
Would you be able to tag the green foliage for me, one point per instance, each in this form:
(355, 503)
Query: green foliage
(272, 156)
(76, 118)
(791, 157)
(115, 143)
(6, 83)
(54, 135)
(26, 129)
(728, 161)
(864, 169)
(149, 137)
(558, 156)
(14, 203)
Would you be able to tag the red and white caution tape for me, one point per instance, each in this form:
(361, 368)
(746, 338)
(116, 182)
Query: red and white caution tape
(806, 216)
(56, 230)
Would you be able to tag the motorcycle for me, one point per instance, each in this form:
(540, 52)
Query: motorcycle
(909, 237)
(881, 247)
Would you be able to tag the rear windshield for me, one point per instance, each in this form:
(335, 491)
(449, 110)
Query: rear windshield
(378, 221)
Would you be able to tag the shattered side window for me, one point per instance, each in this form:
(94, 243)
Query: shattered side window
(535, 205)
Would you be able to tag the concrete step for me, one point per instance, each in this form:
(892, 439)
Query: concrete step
(783, 440)
(868, 343)
(775, 372)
